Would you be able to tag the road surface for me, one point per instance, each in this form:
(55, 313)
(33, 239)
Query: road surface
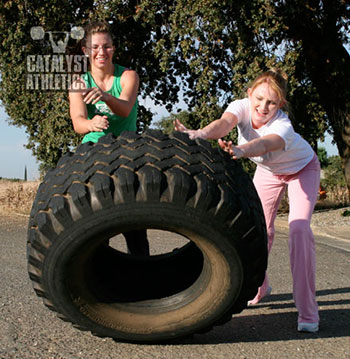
(29, 330)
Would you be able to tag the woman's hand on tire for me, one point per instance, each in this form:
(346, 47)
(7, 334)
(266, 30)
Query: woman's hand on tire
(233, 151)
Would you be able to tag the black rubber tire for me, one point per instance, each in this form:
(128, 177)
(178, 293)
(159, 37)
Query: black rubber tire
(136, 182)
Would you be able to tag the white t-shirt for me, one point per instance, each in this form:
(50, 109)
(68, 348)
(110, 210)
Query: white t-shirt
(297, 153)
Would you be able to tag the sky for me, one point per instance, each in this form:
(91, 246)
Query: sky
(14, 157)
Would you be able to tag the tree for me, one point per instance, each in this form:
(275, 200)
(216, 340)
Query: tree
(321, 30)
(333, 181)
(25, 44)
(333, 174)
(166, 125)
(224, 45)
(322, 156)
(208, 49)
(44, 114)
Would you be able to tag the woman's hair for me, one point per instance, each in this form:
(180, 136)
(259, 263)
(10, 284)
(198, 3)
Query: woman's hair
(94, 28)
(277, 79)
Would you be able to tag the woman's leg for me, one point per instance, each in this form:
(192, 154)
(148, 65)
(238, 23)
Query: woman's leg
(270, 190)
(137, 242)
(302, 191)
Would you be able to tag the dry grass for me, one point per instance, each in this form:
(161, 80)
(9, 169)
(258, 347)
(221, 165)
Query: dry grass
(17, 196)
(337, 198)
(338, 195)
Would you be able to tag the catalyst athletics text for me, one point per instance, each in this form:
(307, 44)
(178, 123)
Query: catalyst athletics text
(54, 72)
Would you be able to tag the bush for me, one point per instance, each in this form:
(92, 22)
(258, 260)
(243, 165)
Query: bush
(333, 182)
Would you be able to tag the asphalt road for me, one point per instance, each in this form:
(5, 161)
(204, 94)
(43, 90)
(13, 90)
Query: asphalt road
(29, 330)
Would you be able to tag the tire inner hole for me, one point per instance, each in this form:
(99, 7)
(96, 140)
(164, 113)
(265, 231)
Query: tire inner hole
(111, 275)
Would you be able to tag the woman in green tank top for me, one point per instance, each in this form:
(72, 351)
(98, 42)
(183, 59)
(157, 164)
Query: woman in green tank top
(117, 124)
(104, 100)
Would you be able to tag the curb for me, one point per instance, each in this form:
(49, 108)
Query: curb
(326, 232)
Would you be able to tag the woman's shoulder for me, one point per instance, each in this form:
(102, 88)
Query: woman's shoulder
(243, 101)
(282, 117)
(122, 71)
(128, 76)
(118, 69)
(239, 107)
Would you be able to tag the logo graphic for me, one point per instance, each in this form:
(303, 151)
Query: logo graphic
(58, 70)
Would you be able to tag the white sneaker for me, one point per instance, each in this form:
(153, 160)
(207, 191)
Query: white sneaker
(308, 327)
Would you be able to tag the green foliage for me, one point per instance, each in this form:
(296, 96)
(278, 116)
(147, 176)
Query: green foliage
(207, 50)
(248, 166)
(322, 156)
(334, 182)
(346, 213)
(166, 124)
(44, 114)
(11, 179)
(333, 174)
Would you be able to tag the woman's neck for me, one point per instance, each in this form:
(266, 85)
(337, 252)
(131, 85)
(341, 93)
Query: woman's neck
(102, 76)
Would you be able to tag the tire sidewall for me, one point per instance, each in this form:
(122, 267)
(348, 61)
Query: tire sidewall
(225, 280)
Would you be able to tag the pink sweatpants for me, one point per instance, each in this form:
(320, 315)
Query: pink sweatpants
(302, 192)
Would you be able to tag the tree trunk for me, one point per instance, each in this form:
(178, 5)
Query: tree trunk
(346, 168)
(328, 65)
(331, 77)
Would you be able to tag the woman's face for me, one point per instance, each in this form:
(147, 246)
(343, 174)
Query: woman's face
(264, 104)
(100, 49)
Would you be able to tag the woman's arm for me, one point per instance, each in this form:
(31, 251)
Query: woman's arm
(123, 105)
(78, 111)
(256, 147)
(216, 129)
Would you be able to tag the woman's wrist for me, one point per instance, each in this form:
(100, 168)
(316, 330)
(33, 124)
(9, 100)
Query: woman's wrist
(201, 133)
(106, 97)
(238, 152)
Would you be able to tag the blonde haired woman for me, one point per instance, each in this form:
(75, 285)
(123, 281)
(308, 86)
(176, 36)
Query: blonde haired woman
(284, 159)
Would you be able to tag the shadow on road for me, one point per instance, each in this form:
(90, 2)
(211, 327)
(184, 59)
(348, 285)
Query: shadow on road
(277, 298)
(279, 325)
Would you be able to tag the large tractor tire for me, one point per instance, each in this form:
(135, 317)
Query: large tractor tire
(155, 182)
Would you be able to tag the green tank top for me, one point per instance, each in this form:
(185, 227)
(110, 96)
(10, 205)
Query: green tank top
(117, 124)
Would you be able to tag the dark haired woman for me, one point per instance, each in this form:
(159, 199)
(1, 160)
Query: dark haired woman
(104, 100)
